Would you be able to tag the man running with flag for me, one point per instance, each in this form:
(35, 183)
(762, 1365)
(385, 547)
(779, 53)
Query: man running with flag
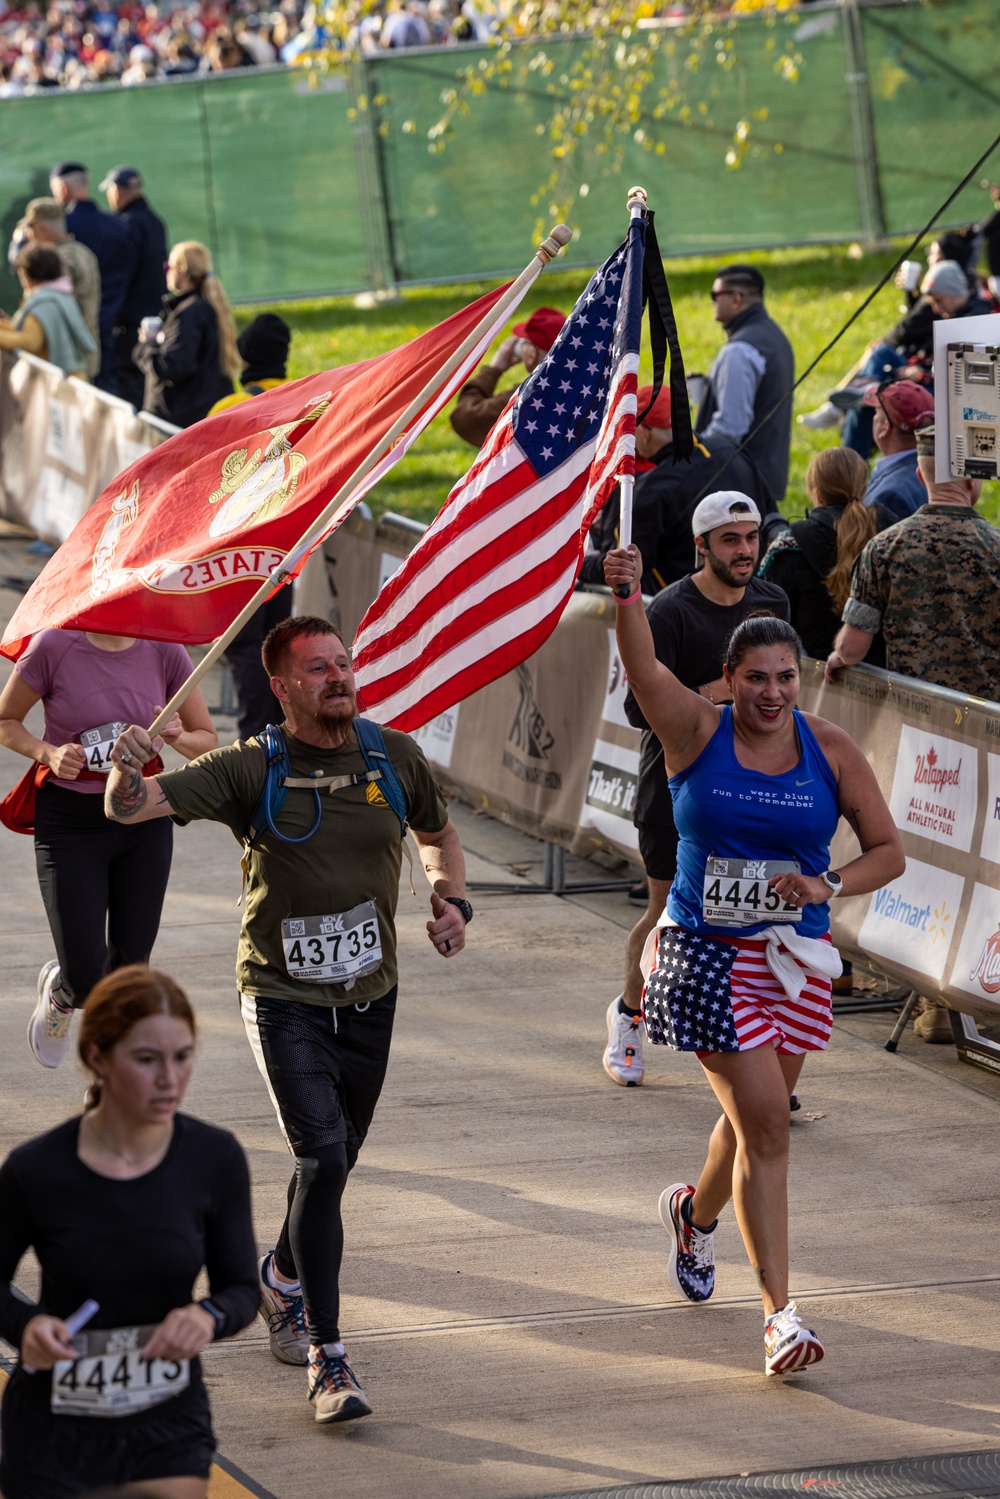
(323, 836)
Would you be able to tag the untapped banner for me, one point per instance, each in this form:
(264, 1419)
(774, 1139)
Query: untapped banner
(61, 442)
(549, 749)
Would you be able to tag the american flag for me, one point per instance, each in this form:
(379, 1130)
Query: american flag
(488, 581)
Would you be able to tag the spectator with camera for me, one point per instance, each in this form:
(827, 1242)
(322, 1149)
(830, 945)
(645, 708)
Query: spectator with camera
(192, 360)
(479, 403)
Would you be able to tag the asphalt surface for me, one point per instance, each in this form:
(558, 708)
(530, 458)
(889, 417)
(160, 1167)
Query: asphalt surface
(506, 1300)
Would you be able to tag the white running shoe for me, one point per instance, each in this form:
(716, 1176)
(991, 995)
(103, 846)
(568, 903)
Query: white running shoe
(788, 1346)
(285, 1318)
(49, 1026)
(623, 1053)
(691, 1265)
(333, 1389)
(826, 415)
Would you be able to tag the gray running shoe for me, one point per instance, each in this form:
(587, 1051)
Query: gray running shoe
(623, 1053)
(49, 1026)
(333, 1389)
(285, 1318)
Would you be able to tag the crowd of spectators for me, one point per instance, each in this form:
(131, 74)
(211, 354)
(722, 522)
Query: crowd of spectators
(76, 43)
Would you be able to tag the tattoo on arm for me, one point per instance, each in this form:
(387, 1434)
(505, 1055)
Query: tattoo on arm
(127, 797)
(854, 818)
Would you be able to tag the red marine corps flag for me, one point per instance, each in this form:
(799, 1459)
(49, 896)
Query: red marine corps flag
(185, 538)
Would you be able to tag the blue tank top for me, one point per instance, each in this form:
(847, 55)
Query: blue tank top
(722, 808)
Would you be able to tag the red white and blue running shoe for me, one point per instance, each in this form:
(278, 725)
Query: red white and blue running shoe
(691, 1265)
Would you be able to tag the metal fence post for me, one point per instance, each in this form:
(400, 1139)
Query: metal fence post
(862, 124)
(374, 198)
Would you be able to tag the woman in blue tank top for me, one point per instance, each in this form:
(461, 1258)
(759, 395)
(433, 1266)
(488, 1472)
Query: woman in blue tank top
(739, 970)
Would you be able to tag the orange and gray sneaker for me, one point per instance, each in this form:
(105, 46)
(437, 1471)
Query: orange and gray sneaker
(788, 1346)
(285, 1316)
(623, 1054)
(333, 1388)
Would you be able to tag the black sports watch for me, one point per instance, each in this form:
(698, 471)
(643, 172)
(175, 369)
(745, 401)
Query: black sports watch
(217, 1316)
(833, 881)
(463, 906)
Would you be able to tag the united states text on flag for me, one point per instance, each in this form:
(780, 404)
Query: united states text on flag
(488, 581)
(182, 539)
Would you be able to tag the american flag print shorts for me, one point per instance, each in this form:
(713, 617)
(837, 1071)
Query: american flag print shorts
(711, 994)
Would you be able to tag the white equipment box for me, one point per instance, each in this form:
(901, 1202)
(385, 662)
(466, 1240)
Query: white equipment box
(967, 401)
(974, 410)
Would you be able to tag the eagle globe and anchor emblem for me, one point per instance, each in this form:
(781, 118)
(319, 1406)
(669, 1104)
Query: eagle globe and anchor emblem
(255, 486)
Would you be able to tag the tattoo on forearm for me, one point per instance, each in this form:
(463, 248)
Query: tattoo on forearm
(759, 1272)
(126, 798)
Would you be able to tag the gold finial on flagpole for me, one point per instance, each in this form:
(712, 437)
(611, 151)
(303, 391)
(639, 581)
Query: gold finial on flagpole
(636, 198)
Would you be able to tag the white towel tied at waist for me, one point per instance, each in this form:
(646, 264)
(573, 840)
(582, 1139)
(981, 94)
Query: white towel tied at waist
(815, 958)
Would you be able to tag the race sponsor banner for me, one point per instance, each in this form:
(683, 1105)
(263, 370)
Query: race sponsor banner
(61, 443)
(549, 748)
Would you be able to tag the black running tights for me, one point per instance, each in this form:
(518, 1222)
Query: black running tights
(311, 1245)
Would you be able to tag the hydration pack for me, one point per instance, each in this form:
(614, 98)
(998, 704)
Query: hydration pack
(278, 778)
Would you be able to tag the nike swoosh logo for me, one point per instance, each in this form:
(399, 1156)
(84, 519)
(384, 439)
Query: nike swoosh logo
(806, 783)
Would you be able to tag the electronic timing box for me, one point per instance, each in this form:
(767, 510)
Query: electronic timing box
(974, 410)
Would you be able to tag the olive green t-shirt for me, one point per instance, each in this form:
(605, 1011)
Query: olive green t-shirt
(354, 856)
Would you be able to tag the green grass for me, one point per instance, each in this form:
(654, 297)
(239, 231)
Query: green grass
(811, 292)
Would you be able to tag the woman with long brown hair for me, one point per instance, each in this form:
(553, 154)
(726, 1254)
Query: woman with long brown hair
(812, 561)
(738, 969)
(123, 1206)
(192, 360)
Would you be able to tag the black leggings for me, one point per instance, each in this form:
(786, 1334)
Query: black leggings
(311, 1245)
(324, 1069)
(103, 885)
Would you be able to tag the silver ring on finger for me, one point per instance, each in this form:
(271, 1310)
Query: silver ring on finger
(127, 757)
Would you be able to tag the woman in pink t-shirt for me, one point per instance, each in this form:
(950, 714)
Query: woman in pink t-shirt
(102, 882)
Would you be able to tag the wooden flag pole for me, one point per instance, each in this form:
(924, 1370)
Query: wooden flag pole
(636, 206)
(547, 250)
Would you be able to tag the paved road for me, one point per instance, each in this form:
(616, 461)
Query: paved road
(506, 1298)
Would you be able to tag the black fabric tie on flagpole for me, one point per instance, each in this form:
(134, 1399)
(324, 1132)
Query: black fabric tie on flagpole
(663, 337)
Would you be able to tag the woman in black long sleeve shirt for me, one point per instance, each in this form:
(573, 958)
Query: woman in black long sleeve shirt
(124, 1206)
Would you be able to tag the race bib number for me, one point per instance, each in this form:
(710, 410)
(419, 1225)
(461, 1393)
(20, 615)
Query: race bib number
(332, 949)
(736, 892)
(97, 745)
(111, 1377)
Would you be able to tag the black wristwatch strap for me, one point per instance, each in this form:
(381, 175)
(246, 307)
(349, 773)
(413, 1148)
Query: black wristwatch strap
(463, 906)
(213, 1311)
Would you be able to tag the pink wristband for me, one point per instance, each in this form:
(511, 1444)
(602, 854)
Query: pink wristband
(624, 603)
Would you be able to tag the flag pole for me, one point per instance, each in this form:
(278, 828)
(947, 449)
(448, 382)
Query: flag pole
(636, 206)
(547, 250)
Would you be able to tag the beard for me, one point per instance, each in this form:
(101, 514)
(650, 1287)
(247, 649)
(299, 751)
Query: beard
(725, 573)
(336, 711)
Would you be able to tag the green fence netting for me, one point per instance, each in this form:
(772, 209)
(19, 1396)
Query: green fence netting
(260, 167)
(935, 101)
(894, 100)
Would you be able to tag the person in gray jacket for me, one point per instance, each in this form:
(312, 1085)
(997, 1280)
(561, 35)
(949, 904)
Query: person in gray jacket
(749, 376)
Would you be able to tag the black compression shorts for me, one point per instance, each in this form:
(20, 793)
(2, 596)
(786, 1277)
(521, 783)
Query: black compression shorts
(324, 1066)
(658, 849)
(45, 1456)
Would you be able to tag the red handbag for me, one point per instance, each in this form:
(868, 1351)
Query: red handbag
(17, 810)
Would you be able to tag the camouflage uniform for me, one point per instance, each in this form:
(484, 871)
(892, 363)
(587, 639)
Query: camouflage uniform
(80, 265)
(932, 584)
